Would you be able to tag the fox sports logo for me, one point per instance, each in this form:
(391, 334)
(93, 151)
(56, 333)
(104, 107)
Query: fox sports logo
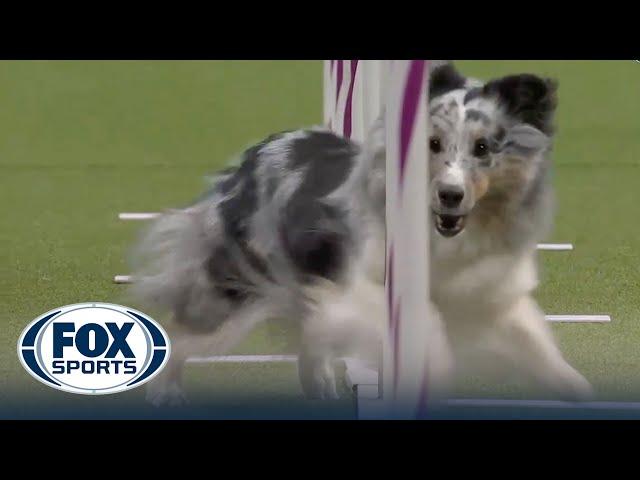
(93, 348)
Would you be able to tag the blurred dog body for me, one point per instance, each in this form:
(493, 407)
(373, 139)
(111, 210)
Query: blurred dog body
(294, 231)
(297, 229)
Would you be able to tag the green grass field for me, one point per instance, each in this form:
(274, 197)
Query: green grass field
(82, 141)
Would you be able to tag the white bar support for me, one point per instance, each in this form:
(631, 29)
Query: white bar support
(138, 215)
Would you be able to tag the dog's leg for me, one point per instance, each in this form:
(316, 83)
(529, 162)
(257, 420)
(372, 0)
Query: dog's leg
(344, 320)
(358, 332)
(317, 376)
(526, 338)
(315, 358)
(166, 388)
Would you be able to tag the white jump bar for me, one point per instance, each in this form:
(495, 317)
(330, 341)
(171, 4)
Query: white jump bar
(578, 318)
(245, 359)
(558, 247)
(138, 216)
(555, 246)
(126, 279)
(122, 279)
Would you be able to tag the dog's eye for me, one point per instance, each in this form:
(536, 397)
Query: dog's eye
(434, 145)
(481, 148)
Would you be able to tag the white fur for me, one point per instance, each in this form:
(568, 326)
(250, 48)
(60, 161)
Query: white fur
(453, 176)
(493, 323)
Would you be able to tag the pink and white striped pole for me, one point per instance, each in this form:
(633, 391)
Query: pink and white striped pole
(355, 94)
(404, 380)
(329, 94)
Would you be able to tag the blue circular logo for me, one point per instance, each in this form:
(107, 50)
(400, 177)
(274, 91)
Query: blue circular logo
(93, 348)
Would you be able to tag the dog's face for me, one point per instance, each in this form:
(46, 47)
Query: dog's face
(486, 142)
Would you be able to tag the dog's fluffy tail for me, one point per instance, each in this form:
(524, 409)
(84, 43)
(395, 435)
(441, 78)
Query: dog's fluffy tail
(167, 260)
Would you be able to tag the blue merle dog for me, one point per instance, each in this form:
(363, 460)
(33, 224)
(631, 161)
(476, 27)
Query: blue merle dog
(296, 230)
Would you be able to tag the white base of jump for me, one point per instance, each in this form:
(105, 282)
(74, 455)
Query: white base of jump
(358, 373)
(364, 383)
(369, 406)
(543, 404)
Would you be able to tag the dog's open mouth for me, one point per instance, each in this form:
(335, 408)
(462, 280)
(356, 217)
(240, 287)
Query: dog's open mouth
(449, 225)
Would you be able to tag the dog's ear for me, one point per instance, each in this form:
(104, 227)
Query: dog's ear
(444, 78)
(528, 98)
(524, 140)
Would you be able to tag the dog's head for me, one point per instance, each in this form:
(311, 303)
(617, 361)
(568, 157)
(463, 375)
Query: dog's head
(486, 142)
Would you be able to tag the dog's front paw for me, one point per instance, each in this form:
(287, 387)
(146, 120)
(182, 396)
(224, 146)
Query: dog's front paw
(583, 391)
(166, 396)
(576, 388)
(329, 390)
(318, 378)
(322, 387)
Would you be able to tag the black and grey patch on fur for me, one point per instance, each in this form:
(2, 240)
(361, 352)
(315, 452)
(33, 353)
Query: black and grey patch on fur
(436, 109)
(477, 116)
(496, 141)
(240, 195)
(226, 276)
(529, 98)
(295, 209)
(472, 95)
(327, 160)
(239, 190)
(315, 236)
(445, 79)
(314, 232)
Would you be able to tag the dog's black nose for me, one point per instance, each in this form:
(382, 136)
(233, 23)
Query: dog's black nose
(450, 196)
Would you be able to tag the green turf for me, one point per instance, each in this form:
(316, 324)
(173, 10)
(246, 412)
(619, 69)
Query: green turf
(82, 141)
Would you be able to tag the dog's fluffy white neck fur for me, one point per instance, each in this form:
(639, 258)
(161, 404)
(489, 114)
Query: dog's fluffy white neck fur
(467, 277)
